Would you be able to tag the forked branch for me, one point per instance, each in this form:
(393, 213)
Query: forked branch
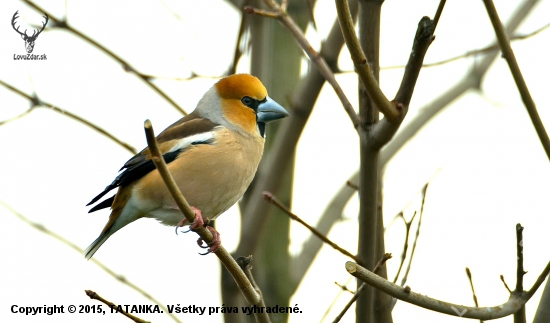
(517, 299)
(322, 66)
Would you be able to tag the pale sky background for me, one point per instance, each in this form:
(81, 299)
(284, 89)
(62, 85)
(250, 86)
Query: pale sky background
(489, 170)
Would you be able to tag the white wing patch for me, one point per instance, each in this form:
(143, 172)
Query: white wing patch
(187, 141)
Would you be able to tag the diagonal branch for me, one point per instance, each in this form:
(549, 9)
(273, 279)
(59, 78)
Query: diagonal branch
(37, 103)
(362, 67)
(227, 260)
(63, 24)
(315, 57)
(508, 54)
(121, 278)
(271, 198)
(302, 102)
(93, 295)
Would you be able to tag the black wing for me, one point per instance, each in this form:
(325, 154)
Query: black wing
(140, 165)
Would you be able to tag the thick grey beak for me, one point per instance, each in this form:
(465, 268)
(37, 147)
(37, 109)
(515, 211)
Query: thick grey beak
(270, 111)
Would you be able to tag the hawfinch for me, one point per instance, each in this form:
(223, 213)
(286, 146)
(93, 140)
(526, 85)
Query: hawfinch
(212, 153)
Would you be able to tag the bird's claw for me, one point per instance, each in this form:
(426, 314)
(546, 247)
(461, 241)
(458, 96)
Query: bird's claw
(212, 246)
(199, 221)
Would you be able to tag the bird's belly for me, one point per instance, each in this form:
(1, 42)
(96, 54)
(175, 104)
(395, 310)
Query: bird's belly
(211, 186)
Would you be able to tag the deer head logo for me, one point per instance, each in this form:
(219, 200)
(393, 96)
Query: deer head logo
(29, 40)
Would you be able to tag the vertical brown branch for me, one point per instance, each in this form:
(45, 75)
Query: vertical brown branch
(372, 305)
(519, 316)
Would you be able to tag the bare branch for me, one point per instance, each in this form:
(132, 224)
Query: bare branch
(94, 295)
(439, 12)
(422, 40)
(317, 59)
(127, 67)
(362, 67)
(485, 313)
(379, 265)
(520, 272)
(244, 263)
(539, 281)
(474, 52)
(239, 276)
(405, 244)
(330, 216)
(302, 102)
(519, 316)
(121, 278)
(508, 54)
(424, 191)
(469, 274)
(515, 304)
(271, 198)
(37, 103)
(505, 285)
(237, 54)
(353, 185)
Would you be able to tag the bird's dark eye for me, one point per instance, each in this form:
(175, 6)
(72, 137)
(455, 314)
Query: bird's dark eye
(248, 101)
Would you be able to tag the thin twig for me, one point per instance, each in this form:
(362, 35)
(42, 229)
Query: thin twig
(505, 285)
(94, 295)
(63, 24)
(406, 244)
(237, 54)
(439, 12)
(315, 57)
(122, 279)
(404, 279)
(515, 304)
(37, 103)
(344, 288)
(353, 185)
(271, 198)
(183, 79)
(508, 54)
(363, 286)
(469, 274)
(236, 272)
(17, 117)
(489, 48)
(329, 308)
(244, 263)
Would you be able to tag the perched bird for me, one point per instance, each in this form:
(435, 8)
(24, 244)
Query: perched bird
(212, 153)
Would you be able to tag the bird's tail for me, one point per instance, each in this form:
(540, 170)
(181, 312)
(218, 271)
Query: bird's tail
(89, 252)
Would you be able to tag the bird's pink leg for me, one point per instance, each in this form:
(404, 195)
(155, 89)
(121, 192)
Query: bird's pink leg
(199, 221)
(214, 245)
